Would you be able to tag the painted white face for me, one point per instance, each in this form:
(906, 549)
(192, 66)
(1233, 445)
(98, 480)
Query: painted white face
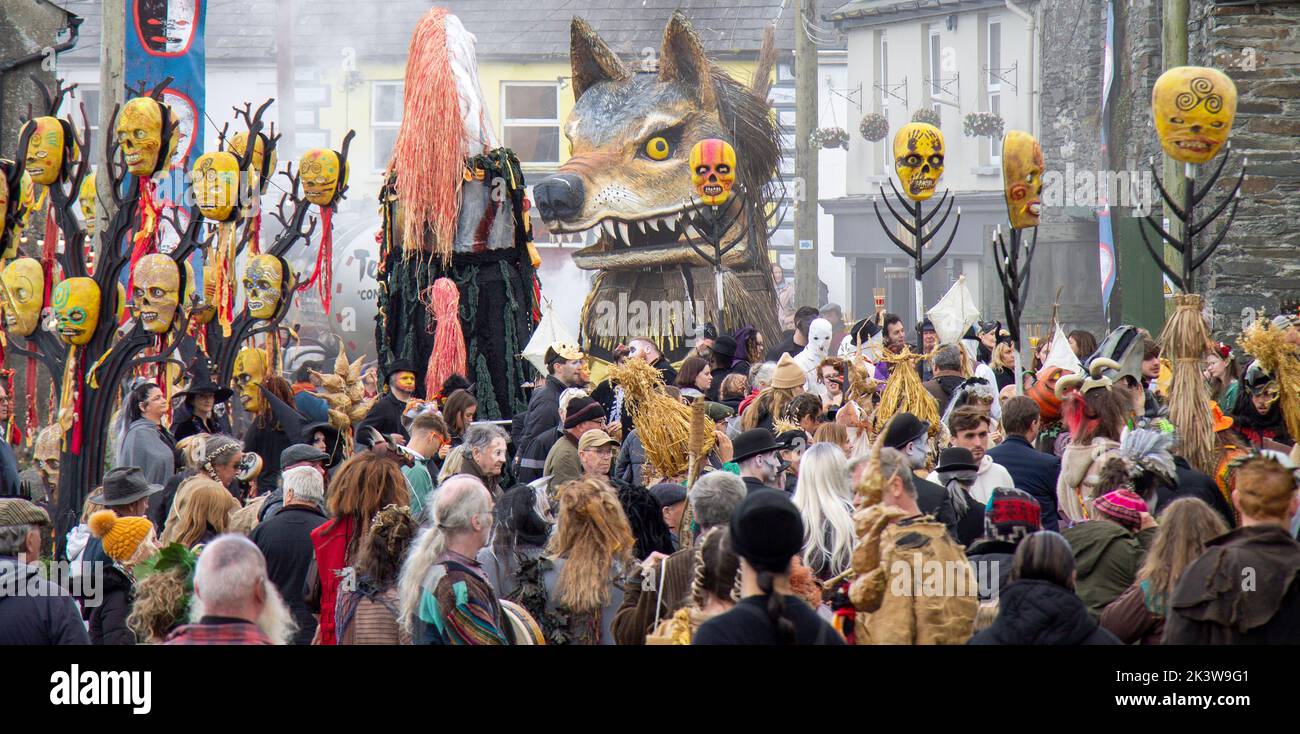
(819, 337)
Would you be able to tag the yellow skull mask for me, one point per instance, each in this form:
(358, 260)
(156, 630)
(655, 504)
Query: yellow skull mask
(215, 179)
(24, 295)
(258, 165)
(46, 452)
(263, 279)
(76, 306)
(713, 170)
(321, 176)
(140, 133)
(918, 159)
(44, 159)
(1193, 107)
(86, 198)
(1022, 178)
(155, 292)
(249, 373)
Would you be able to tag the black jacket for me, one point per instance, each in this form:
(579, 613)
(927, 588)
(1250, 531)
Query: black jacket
(1035, 612)
(1033, 471)
(267, 442)
(43, 615)
(543, 414)
(752, 484)
(666, 370)
(983, 554)
(787, 346)
(193, 425)
(385, 416)
(1192, 483)
(285, 540)
(1212, 606)
(933, 500)
(160, 503)
(108, 620)
(739, 367)
(532, 461)
(969, 527)
(606, 395)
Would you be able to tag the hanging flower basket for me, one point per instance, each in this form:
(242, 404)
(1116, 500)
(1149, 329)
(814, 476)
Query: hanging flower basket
(987, 124)
(829, 137)
(874, 127)
(927, 115)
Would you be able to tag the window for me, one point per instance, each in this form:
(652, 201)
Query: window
(995, 82)
(89, 96)
(531, 121)
(385, 119)
(936, 65)
(886, 145)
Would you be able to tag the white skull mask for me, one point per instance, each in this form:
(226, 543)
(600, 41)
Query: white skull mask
(819, 338)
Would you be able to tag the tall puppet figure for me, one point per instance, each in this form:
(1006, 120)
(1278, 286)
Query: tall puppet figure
(454, 207)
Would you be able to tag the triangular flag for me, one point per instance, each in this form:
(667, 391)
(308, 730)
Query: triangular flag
(1061, 355)
(549, 331)
(955, 313)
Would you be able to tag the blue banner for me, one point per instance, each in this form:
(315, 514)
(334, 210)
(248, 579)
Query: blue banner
(1105, 235)
(165, 38)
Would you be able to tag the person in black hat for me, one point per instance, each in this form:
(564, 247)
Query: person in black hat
(201, 397)
(385, 415)
(725, 363)
(564, 365)
(126, 492)
(956, 471)
(767, 532)
(757, 453)
(704, 338)
(911, 436)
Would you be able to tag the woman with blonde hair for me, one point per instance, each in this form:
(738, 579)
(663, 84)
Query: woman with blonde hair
(205, 516)
(586, 559)
(1138, 614)
(834, 433)
(714, 590)
(824, 498)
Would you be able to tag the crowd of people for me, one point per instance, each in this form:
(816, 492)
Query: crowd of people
(1057, 503)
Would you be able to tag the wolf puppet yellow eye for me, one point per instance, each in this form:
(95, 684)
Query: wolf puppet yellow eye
(657, 148)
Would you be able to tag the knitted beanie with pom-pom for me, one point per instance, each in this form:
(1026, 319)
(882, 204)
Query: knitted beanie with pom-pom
(121, 535)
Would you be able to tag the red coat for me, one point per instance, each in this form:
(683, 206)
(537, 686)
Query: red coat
(330, 541)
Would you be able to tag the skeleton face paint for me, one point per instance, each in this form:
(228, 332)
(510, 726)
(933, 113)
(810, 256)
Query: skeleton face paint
(44, 160)
(46, 453)
(1022, 178)
(139, 132)
(321, 176)
(155, 292)
(713, 170)
(1193, 107)
(86, 198)
(262, 282)
(216, 185)
(24, 294)
(249, 372)
(918, 159)
(76, 306)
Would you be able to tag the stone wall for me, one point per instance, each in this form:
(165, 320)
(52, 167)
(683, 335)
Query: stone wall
(1258, 265)
(26, 27)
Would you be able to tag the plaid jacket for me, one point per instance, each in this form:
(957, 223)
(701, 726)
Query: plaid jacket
(218, 633)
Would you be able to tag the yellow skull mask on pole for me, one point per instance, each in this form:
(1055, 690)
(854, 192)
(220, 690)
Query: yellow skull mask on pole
(155, 292)
(140, 133)
(1193, 108)
(261, 167)
(713, 170)
(76, 307)
(249, 373)
(918, 159)
(1022, 178)
(24, 295)
(215, 180)
(44, 155)
(263, 279)
(322, 176)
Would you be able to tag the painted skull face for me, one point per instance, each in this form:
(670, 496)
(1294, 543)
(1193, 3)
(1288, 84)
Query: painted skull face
(321, 175)
(155, 292)
(819, 337)
(216, 185)
(263, 279)
(44, 159)
(86, 199)
(405, 381)
(918, 159)
(1022, 178)
(713, 170)
(140, 133)
(76, 307)
(24, 294)
(249, 373)
(259, 165)
(46, 452)
(1193, 107)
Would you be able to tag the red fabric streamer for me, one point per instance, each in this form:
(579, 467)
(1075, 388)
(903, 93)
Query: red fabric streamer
(255, 241)
(448, 355)
(31, 422)
(145, 240)
(78, 387)
(322, 276)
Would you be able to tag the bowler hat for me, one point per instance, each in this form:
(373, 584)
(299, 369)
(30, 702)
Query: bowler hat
(398, 365)
(766, 530)
(753, 442)
(724, 346)
(122, 486)
(956, 459)
(903, 429)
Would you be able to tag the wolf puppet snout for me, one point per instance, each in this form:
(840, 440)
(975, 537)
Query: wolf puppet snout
(559, 197)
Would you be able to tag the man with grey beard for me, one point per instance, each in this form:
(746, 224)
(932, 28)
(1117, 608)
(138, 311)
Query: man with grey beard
(234, 601)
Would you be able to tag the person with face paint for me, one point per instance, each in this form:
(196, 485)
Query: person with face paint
(911, 436)
(758, 453)
(385, 415)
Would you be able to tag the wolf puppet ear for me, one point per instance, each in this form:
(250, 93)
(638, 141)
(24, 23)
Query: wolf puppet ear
(592, 61)
(682, 60)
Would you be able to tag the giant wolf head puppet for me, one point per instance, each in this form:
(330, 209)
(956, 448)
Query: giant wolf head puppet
(629, 178)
